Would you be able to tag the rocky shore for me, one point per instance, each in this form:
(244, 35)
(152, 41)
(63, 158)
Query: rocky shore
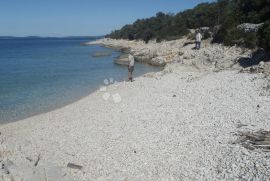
(211, 56)
(182, 123)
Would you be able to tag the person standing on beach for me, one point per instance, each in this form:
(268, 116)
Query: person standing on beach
(130, 67)
(198, 40)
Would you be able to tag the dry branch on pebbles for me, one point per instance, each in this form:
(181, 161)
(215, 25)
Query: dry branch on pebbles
(254, 140)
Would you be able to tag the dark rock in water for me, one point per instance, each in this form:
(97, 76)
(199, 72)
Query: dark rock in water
(74, 166)
(122, 60)
(84, 44)
(102, 54)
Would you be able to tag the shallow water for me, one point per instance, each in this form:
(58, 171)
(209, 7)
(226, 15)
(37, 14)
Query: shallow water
(39, 75)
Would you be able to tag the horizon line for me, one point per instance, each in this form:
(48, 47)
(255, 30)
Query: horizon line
(34, 36)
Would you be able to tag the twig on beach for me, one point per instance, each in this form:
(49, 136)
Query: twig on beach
(36, 163)
(254, 140)
(29, 159)
(71, 154)
(240, 125)
(74, 166)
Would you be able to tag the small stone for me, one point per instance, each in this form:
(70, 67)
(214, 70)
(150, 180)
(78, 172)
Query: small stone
(111, 80)
(103, 89)
(261, 63)
(116, 98)
(106, 96)
(106, 81)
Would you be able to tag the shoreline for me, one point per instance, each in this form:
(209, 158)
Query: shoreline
(94, 93)
(71, 102)
(175, 124)
(213, 57)
(30, 102)
(178, 51)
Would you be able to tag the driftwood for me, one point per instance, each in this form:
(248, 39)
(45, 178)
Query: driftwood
(74, 166)
(254, 140)
(38, 159)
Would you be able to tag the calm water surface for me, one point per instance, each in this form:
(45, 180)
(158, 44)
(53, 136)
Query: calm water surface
(41, 74)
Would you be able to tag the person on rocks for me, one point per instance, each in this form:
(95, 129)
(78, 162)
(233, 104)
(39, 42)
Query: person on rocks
(130, 67)
(198, 40)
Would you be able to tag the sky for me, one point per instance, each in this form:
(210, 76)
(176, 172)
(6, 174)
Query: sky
(79, 17)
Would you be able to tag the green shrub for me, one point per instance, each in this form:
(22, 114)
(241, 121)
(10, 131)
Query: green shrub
(264, 36)
(206, 35)
(225, 14)
(250, 40)
(131, 36)
(233, 36)
(147, 36)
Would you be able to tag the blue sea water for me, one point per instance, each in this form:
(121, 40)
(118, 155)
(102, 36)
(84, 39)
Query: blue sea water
(38, 75)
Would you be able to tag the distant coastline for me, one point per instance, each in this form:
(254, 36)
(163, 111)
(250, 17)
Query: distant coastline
(50, 37)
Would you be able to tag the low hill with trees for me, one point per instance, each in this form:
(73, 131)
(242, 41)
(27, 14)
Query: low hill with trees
(222, 17)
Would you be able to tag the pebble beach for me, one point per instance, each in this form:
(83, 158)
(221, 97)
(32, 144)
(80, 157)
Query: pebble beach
(177, 124)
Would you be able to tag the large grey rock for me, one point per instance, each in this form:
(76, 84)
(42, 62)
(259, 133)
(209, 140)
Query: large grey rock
(145, 55)
(248, 27)
(158, 61)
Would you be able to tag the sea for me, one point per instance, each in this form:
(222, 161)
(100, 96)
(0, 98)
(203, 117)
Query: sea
(38, 75)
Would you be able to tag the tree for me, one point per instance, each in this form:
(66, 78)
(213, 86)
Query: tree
(223, 16)
(264, 36)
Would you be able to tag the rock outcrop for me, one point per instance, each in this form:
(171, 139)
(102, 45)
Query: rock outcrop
(248, 27)
(213, 57)
(158, 54)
